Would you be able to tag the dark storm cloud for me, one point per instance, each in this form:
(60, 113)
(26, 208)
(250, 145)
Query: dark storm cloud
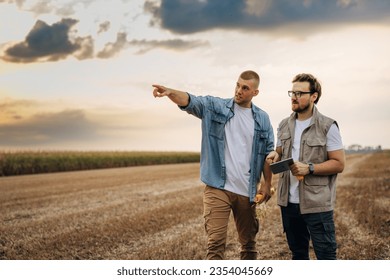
(40, 129)
(58, 41)
(193, 16)
(49, 43)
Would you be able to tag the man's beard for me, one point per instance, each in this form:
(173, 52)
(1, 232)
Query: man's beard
(302, 110)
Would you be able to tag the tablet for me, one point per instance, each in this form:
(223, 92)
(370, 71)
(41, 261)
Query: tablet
(280, 166)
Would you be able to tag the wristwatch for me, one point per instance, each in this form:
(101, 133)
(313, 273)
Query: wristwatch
(311, 168)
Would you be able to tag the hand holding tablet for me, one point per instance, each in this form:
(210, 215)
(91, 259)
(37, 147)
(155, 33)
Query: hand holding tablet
(283, 165)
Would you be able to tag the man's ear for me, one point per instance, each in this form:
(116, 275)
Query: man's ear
(315, 95)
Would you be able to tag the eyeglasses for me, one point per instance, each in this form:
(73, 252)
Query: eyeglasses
(298, 94)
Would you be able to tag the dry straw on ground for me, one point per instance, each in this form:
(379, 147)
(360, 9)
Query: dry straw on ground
(155, 212)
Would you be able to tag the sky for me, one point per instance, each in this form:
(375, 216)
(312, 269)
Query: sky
(78, 75)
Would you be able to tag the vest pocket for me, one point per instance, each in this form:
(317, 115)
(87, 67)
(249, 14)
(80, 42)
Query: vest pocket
(316, 150)
(316, 191)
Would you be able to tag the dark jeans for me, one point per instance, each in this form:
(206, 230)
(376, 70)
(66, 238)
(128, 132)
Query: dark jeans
(300, 228)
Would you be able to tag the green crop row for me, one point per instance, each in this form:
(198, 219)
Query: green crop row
(26, 162)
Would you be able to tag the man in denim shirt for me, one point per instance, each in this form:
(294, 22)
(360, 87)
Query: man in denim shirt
(236, 138)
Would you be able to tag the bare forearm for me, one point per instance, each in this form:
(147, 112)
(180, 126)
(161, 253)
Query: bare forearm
(267, 173)
(181, 98)
(334, 164)
(328, 167)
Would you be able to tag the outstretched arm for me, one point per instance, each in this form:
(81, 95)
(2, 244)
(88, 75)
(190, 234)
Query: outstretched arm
(181, 98)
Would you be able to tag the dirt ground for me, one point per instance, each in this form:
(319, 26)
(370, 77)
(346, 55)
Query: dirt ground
(155, 212)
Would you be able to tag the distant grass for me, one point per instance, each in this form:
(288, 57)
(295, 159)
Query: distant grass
(364, 205)
(34, 162)
(372, 193)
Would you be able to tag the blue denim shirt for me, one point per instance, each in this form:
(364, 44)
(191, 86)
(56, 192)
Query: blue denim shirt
(215, 113)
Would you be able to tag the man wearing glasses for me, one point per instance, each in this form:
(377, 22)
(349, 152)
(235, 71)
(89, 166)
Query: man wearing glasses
(307, 193)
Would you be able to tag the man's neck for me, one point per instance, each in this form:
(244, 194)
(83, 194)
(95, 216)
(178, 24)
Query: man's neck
(245, 105)
(305, 115)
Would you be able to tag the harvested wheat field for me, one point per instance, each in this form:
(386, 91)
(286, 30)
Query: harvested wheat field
(155, 212)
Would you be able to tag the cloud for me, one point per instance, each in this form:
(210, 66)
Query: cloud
(13, 109)
(96, 129)
(111, 49)
(172, 44)
(58, 41)
(104, 26)
(186, 17)
(63, 8)
(49, 43)
(48, 128)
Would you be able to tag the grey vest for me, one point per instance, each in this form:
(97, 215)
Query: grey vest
(316, 193)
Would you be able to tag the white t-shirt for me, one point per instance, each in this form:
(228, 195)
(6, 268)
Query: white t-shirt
(333, 143)
(239, 131)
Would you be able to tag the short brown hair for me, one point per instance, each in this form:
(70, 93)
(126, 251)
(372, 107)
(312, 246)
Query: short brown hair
(249, 75)
(315, 85)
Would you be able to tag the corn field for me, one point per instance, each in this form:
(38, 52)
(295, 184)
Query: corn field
(27, 162)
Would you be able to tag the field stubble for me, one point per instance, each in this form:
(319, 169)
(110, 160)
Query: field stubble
(155, 212)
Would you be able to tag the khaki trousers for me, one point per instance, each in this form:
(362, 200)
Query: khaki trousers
(217, 207)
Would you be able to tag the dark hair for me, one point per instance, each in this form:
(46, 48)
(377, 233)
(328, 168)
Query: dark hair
(249, 75)
(315, 85)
